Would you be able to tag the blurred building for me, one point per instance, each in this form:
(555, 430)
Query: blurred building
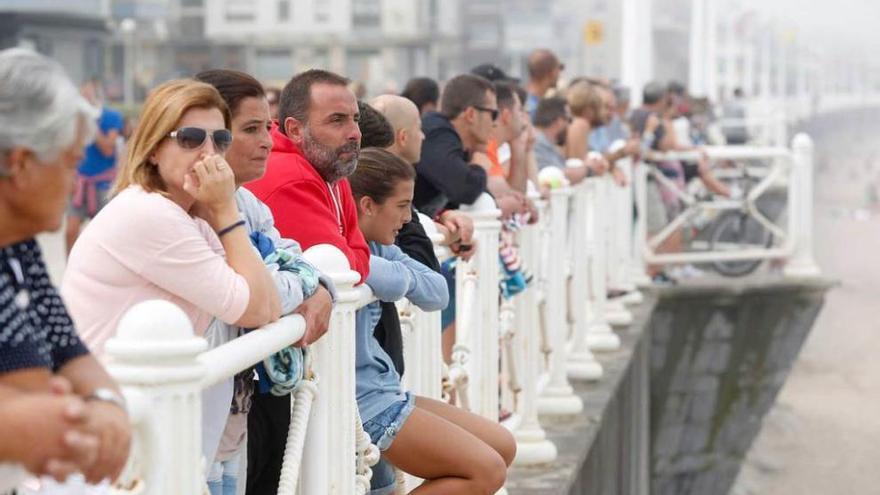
(74, 33)
(378, 42)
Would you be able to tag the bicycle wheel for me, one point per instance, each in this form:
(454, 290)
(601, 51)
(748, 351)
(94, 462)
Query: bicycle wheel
(736, 231)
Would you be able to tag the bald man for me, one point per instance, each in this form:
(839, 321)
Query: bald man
(544, 69)
(403, 115)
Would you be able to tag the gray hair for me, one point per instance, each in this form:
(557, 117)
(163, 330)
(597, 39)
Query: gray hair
(40, 108)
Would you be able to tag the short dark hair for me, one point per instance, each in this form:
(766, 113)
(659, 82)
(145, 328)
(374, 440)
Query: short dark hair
(421, 91)
(234, 86)
(522, 93)
(296, 97)
(376, 131)
(549, 111)
(377, 173)
(463, 91)
(654, 92)
(504, 92)
(676, 88)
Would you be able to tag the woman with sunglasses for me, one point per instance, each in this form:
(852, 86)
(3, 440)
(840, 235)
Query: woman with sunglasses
(172, 230)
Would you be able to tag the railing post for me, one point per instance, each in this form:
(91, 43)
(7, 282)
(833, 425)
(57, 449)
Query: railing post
(640, 238)
(483, 364)
(780, 127)
(802, 262)
(329, 461)
(600, 337)
(625, 235)
(607, 206)
(422, 351)
(581, 365)
(558, 397)
(154, 360)
(532, 446)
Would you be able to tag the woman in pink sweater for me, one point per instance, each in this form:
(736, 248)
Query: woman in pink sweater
(172, 230)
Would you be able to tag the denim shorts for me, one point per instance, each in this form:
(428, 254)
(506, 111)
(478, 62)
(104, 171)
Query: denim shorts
(384, 480)
(384, 427)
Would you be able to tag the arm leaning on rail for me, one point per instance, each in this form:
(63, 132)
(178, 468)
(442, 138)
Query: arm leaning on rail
(394, 275)
(296, 296)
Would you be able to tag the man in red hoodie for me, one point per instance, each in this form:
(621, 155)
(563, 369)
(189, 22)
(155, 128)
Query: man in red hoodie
(315, 146)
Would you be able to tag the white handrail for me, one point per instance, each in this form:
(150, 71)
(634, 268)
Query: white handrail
(227, 360)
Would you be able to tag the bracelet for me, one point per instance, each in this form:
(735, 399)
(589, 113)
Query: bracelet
(109, 396)
(226, 230)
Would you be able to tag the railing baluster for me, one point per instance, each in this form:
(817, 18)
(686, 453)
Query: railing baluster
(532, 446)
(483, 340)
(557, 397)
(600, 337)
(581, 365)
(329, 461)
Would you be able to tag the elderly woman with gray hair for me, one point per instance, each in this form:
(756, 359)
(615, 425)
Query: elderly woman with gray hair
(60, 412)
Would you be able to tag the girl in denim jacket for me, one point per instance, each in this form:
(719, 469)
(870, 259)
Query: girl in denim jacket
(453, 450)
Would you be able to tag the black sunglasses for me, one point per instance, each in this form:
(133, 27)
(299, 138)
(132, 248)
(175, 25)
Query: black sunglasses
(191, 138)
(493, 112)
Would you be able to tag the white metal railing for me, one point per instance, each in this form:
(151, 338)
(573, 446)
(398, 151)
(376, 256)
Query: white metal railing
(791, 167)
(587, 241)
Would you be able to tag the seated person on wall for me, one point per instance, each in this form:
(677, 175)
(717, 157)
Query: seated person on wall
(60, 411)
(453, 450)
(301, 287)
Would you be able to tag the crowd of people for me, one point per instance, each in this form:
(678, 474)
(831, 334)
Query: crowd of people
(209, 202)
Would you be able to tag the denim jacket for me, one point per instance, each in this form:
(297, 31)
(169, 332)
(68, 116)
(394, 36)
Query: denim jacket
(393, 276)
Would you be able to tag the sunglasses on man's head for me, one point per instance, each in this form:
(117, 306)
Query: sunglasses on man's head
(191, 138)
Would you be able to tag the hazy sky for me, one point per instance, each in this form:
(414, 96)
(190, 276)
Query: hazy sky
(844, 23)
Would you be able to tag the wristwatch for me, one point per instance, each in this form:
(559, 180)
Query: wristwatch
(109, 396)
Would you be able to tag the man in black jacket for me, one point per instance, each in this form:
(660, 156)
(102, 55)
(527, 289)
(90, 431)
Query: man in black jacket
(445, 177)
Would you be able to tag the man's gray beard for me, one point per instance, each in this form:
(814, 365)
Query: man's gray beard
(326, 160)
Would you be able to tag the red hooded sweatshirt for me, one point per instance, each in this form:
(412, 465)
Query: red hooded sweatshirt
(307, 209)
